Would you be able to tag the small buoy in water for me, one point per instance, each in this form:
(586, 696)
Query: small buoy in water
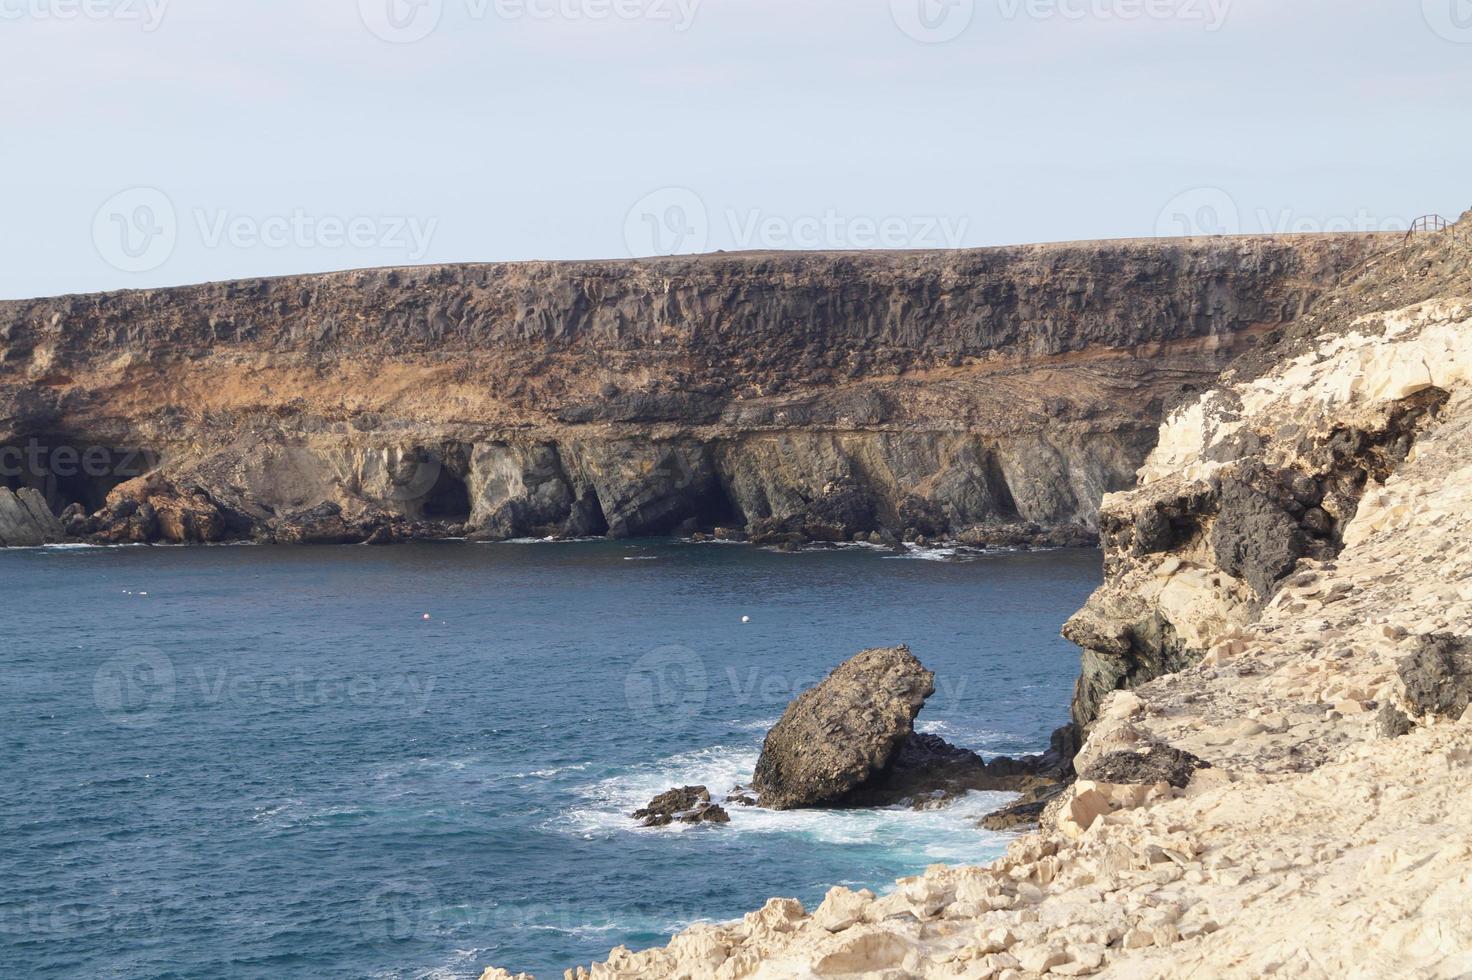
(426, 617)
(746, 619)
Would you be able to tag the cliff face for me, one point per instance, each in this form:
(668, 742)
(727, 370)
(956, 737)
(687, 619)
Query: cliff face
(1285, 790)
(1269, 468)
(797, 396)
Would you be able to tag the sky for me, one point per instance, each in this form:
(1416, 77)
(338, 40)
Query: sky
(159, 142)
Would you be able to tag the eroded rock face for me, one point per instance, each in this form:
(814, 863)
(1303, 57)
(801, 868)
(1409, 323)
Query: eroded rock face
(1244, 487)
(26, 520)
(840, 733)
(805, 396)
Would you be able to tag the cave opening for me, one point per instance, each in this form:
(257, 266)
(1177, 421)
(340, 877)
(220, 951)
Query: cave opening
(66, 470)
(448, 499)
(715, 506)
(587, 518)
(1001, 490)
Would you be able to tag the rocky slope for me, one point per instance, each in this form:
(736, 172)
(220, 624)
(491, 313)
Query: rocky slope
(792, 396)
(1285, 791)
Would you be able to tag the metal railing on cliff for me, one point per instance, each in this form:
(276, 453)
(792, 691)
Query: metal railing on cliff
(1427, 224)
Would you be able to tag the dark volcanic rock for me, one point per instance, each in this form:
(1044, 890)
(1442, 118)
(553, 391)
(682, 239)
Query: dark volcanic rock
(927, 771)
(687, 804)
(323, 524)
(843, 731)
(1159, 764)
(1392, 722)
(1027, 809)
(1438, 675)
(1253, 537)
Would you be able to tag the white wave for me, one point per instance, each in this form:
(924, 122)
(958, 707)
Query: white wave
(945, 834)
(549, 773)
(972, 737)
(72, 546)
(641, 558)
(762, 725)
(939, 553)
(267, 814)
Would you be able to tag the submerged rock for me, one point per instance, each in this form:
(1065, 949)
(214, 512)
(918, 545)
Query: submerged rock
(1026, 809)
(685, 804)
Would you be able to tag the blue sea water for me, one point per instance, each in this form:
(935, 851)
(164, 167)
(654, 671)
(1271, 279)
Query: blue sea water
(263, 762)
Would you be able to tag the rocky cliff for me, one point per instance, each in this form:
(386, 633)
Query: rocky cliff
(26, 521)
(1284, 790)
(1270, 467)
(794, 396)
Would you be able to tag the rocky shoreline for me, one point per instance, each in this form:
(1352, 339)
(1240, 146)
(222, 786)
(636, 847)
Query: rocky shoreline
(1277, 671)
(850, 742)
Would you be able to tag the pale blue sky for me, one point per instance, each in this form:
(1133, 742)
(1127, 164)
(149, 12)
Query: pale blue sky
(156, 142)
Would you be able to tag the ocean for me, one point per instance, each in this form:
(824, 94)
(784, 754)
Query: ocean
(418, 761)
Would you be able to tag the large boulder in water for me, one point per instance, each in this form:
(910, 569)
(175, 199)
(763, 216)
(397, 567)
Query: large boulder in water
(841, 733)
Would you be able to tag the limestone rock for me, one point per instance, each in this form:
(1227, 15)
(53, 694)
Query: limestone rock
(842, 908)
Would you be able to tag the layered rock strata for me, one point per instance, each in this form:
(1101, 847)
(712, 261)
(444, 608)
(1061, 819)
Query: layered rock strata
(995, 392)
(1286, 789)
